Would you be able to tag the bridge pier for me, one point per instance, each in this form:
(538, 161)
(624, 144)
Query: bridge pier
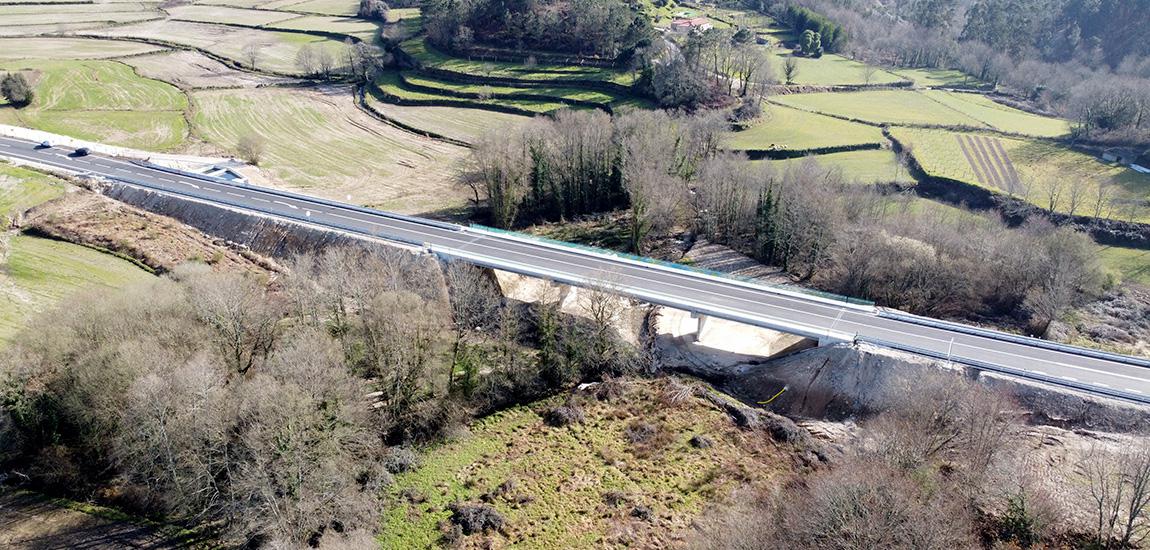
(702, 325)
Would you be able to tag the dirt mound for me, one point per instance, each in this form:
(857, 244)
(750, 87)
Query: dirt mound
(158, 242)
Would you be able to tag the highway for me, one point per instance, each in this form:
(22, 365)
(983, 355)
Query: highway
(829, 320)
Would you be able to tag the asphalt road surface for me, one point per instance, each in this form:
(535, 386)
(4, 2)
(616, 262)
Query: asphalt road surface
(680, 288)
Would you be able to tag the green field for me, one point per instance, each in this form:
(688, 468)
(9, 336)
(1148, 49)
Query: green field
(1131, 264)
(867, 167)
(998, 116)
(461, 123)
(565, 484)
(929, 78)
(828, 70)
(102, 101)
(1074, 182)
(36, 273)
(785, 128)
(879, 107)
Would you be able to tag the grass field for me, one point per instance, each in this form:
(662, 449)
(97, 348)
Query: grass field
(278, 50)
(36, 273)
(575, 487)
(828, 70)
(224, 14)
(880, 106)
(1046, 173)
(327, 7)
(579, 94)
(318, 142)
(49, 17)
(68, 48)
(786, 128)
(871, 166)
(455, 122)
(925, 78)
(998, 116)
(1131, 264)
(365, 30)
(389, 82)
(103, 101)
(420, 50)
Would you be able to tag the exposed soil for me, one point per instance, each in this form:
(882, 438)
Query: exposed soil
(158, 242)
(1120, 320)
(28, 520)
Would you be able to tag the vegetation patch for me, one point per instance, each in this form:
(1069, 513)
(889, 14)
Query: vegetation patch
(1131, 264)
(881, 107)
(998, 116)
(431, 57)
(69, 48)
(868, 167)
(584, 484)
(223, 14)
(461, 123)
(785, 128)
(830, 70)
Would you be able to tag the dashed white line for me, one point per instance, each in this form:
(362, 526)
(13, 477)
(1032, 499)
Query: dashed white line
(260, 200)
(235, 194)
(1133, 390)
(292, 206)
(1070, 378)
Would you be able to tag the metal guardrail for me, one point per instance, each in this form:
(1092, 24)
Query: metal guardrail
(1014, 338)
(679, 267)
(301, 197)
(981, 365)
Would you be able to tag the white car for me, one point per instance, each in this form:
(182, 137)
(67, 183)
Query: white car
(44, 145)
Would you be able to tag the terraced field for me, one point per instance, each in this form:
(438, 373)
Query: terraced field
(223, 14)
(389, 83)
(998, 116)
(318, 142)
(460, 123)
(880, 106)
(431, 57)
(828, 70)
(102, 101)
(577, 94)
(785, 128)
(189, 69)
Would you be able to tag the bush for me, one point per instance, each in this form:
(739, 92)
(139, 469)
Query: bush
(400, 460)
(472, 518)
(564, 415)
(15, 88)
(748, 110)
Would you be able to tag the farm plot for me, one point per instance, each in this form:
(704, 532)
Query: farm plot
(69, 48)
(189, 69)
(931, 78)
(48, 16)
(461, 123)
(577, 94)
(1046, 175)
(276, 50)
(389, 83)
(1000, 117)
(420, 50)
(364, 30)
(223, 14)
(785, 128)
(101, 101)
(881, 107)
(329, 7)
(1131, 264)
(318, 142)
(829, 70)
(865, 167)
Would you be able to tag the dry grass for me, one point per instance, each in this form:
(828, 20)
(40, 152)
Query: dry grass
(191, 70)
(68, 48)
(319, 143)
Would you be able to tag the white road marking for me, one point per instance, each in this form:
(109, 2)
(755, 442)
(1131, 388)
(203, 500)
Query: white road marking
(1070, 378)
(167, 180)
(292, 206)
(261, 200)
(1133, 390)
(235, 194)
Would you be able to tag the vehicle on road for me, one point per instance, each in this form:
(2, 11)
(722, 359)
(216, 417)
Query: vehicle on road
(44, 145)
(82, 152)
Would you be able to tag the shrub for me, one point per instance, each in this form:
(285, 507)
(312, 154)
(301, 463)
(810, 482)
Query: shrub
(564, 415)
(15, 88)
(747, 110)
(400, 460)
(472, 518)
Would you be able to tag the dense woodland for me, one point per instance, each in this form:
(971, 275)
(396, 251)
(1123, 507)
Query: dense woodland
(602, 28)
(669, 173)
(1086, 59)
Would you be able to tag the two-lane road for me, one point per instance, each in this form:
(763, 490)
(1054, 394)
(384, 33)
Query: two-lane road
(679, 288)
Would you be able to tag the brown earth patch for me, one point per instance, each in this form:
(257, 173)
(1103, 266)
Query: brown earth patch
(158, 242)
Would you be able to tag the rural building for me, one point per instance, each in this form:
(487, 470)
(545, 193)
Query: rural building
(1119, 155)
(687, 25)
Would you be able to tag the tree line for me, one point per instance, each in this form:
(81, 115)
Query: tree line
(275, 413)
(1078, 58)
(669, 173)
(602, 28)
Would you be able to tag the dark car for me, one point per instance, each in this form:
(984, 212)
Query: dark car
(44, 145)
(82, 152)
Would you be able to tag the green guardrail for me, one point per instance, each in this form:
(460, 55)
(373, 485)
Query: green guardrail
(681, 267)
